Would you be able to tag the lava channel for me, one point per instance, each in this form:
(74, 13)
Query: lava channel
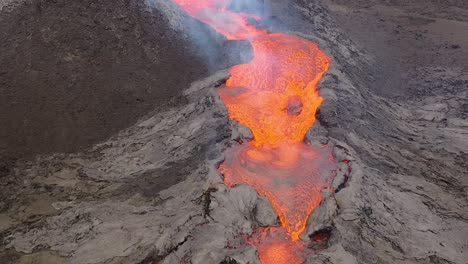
(275, 95)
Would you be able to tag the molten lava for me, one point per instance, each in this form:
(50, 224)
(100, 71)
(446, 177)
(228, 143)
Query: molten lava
(275, 95)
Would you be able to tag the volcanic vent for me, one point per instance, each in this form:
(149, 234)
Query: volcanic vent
(153, 193)
(275, 95)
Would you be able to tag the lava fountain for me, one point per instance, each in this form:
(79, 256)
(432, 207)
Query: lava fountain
(275, 95)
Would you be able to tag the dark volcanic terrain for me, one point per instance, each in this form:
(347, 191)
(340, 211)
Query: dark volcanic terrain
(74, 73)
(111, 131)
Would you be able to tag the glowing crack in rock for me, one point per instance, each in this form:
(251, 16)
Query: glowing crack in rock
(275, 95)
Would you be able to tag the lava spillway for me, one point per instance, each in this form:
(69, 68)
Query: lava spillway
(275, 95)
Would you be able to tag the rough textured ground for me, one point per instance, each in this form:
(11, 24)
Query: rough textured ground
(396, 108)
(74, 73)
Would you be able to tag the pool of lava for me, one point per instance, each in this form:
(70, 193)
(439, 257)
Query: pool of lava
(275, 95)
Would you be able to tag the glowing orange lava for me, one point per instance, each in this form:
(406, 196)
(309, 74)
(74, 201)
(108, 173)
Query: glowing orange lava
(275, 95)
(291, 176)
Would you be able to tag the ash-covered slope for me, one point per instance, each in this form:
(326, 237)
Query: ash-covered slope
(152, 193)
(73, 73)
(409, 205)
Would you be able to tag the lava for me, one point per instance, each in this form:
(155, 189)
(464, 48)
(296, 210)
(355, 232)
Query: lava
(262, 94)
(275, 95)
(291, 176)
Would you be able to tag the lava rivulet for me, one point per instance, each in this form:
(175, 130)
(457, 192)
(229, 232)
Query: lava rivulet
(232, 25)
(275, 95)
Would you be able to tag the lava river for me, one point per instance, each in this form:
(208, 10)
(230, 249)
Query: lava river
(275, 95)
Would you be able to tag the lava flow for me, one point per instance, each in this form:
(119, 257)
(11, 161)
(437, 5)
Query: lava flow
(275, 95)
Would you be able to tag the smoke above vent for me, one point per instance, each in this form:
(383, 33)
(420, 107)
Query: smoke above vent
(218, 51)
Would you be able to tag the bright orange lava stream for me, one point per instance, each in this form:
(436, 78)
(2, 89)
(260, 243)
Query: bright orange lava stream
(275, 95)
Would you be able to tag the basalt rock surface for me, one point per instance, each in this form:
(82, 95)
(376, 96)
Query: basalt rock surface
(152, 193)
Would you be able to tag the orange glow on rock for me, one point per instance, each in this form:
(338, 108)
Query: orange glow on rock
(275, 95)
